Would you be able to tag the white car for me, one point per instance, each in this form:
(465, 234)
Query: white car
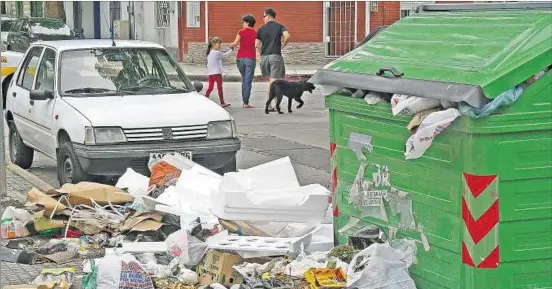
(99, 108)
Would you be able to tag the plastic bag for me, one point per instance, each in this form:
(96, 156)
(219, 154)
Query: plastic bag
(380, 266)
(136, 184)
(177, 244)
(504, 99)
(373, 98)
(413, 104)
(121, 271)
(429, 129)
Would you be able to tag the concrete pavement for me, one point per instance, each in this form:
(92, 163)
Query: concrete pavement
(231, 73)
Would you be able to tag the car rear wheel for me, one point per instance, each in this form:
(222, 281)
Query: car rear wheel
(68, 166)
(20, 154)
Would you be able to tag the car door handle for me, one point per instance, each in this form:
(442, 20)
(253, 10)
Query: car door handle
(14, 94)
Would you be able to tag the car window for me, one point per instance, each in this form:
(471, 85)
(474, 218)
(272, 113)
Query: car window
(24, 26)
(45, 76)
(28, 71)
(15, 26)
(48, 27)
(7, 25)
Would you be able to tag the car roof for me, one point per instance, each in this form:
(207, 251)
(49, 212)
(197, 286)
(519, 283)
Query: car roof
(63, 45)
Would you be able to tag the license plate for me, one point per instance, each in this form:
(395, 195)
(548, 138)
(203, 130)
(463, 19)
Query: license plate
(159, 156)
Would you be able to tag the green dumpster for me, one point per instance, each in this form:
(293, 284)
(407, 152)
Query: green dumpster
(479, 201)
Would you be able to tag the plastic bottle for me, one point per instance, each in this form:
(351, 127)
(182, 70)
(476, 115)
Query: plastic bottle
(4, 228)
(11, 230)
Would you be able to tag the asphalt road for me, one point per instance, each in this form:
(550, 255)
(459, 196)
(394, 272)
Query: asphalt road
(302, 135)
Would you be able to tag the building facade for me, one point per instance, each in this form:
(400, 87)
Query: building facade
(320, 30)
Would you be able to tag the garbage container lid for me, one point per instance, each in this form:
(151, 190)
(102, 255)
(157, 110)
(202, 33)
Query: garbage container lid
(452, 55)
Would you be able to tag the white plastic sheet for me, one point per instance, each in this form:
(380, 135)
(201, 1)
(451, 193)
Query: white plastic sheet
(410, 105)
(429, 129)
(135, 183)
(381, 266)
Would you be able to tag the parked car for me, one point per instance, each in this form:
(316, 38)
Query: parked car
(25, 31)
(99, 108)
(5, 29)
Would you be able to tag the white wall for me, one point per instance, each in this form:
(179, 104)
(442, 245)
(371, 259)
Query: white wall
(146, 25)
(105, 18)
(87, 16)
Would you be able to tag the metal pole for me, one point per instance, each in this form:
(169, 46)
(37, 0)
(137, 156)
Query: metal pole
(3, 182)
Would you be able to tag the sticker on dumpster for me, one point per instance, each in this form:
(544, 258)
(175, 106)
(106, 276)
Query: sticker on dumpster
(359, 143)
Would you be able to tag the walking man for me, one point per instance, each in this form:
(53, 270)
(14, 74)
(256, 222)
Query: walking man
(272, 37)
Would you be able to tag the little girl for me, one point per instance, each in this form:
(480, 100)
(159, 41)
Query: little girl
(214, 67)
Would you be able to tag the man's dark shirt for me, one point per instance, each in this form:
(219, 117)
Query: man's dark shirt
(270, 36)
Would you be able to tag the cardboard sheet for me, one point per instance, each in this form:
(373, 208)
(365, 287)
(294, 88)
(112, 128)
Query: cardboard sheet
(36, 197)
(81, 193)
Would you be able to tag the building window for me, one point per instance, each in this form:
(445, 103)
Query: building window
(3, 8)
(163, 14)
(192, 14)
(37, 9)
(115, 10)
(405, 13)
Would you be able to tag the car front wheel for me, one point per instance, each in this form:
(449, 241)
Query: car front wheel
(20, 154)
(68, 166)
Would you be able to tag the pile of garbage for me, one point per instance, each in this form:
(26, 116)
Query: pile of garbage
(432, 116)
(188, 227)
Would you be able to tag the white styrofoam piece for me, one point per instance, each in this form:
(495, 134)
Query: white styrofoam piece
(253, 246)
(300, 204)
(275, 174)
(322, 239)
(141, 247)
(269, 192)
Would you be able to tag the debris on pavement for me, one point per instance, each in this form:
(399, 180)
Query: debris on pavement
(180, 229)
(62, 278)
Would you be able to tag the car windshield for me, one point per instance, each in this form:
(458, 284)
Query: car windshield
(6, 25)
(113, 71)
(50, 27)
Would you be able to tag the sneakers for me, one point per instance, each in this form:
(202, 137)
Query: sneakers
(225, 104)
(247, 106)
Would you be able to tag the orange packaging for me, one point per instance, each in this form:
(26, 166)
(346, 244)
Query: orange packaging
(162, 173)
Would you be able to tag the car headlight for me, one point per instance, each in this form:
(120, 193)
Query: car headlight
(103, 135)
(222, 129)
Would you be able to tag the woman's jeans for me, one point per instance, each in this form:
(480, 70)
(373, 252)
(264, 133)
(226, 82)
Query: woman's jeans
(246, 66)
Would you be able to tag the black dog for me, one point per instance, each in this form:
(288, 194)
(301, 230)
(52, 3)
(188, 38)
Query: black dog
(293, 90)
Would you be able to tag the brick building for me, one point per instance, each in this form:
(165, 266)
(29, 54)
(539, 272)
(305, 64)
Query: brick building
(320, 30)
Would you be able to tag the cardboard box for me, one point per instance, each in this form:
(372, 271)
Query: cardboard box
(216, 267)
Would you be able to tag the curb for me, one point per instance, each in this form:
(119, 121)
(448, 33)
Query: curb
(32, 179)
(238, 78)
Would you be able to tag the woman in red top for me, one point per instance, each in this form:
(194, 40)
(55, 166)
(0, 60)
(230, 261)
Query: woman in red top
(247, 56)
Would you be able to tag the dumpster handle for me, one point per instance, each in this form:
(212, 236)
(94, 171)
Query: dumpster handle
(393, 71)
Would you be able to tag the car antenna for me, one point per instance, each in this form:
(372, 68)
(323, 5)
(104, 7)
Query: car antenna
(112, 32)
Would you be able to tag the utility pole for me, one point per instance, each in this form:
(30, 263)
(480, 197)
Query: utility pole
(3, 181)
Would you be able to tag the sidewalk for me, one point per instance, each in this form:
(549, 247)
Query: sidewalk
(230, 73)
(13, 273)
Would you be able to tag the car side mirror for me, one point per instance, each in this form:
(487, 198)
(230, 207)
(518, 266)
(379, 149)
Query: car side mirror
(41, 94)
(198, 86)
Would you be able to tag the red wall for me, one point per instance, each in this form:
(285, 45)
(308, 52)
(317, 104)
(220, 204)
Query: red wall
(388, 13)
(303, 19)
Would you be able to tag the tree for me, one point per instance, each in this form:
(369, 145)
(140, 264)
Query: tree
(54, 9)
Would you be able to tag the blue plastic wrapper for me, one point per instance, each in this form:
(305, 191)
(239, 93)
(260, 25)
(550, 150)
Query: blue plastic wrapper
(504, 99)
